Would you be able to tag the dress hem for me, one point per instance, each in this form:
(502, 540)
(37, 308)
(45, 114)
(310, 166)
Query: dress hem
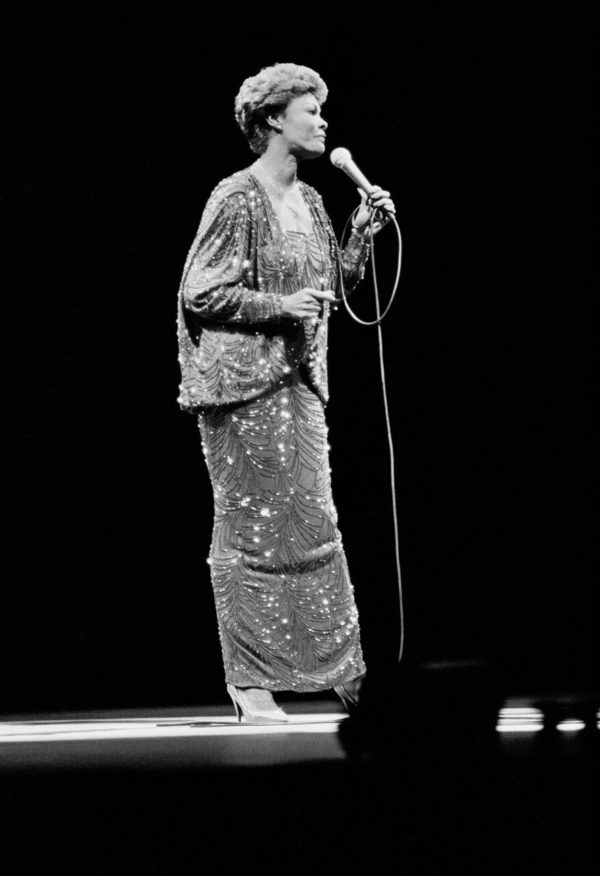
(281, 687)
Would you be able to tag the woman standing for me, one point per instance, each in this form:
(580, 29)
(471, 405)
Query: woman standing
(254, 305)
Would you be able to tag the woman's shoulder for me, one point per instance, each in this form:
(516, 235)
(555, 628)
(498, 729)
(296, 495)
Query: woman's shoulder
(239, 183)
(230, 196)
(235, 198)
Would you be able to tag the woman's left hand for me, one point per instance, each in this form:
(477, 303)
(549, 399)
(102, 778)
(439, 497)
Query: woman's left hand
(379, 205)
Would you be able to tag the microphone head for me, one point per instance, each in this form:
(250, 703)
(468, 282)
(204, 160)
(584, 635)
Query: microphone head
(340, 156)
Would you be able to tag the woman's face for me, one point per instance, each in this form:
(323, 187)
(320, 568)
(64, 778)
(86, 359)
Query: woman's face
(303, 127)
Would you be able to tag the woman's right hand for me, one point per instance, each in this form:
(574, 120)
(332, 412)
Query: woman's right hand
(305, 303)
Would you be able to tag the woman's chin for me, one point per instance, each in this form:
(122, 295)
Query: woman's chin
(315, 150)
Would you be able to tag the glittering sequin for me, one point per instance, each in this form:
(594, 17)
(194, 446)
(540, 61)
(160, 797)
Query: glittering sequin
(258, 383)
(233, 342)
(285, 604)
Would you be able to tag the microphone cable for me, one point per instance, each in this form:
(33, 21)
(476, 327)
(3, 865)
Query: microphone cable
(377, 322)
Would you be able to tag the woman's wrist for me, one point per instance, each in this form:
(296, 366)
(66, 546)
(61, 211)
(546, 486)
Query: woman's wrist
(362, 232)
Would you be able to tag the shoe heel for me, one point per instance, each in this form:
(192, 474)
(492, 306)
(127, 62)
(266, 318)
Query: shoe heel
(245, 715)
(236, 705)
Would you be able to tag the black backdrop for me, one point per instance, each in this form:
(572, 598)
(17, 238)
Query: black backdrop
(476, 116)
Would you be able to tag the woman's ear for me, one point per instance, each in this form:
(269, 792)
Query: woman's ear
(274, 122)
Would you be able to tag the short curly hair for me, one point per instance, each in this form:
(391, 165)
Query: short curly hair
(268, 93)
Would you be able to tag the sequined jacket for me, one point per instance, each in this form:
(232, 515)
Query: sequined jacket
(234, 344)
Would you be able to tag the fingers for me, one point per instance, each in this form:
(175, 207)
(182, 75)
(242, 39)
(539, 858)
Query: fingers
(383, 203)
(322, 295)
(377, 194)
(380, 199)
(377, 198)
(377, 206)
(307, 303)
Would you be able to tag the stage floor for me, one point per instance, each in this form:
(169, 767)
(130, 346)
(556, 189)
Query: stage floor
(209, 736)
(176, 792)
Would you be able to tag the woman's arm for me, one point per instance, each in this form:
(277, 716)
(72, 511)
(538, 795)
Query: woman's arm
(354, 256)
(218, 283)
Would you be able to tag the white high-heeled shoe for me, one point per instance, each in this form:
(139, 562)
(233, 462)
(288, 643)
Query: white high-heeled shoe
(254, 705)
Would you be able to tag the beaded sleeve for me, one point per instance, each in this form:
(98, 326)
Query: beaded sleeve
(219, 281)
(354, 258)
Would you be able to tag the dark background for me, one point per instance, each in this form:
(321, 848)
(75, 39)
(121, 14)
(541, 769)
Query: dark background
(477, 117)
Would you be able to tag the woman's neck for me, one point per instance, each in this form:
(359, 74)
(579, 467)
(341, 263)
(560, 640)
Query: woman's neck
(280, 167)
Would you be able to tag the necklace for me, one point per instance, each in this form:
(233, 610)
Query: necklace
(282, 194)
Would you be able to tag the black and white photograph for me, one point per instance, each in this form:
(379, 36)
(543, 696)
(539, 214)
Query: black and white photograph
(298, 488)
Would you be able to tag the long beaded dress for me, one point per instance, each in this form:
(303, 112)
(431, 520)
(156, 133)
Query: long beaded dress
(257, 383)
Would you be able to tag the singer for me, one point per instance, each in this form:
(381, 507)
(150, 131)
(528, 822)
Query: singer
(258, 285)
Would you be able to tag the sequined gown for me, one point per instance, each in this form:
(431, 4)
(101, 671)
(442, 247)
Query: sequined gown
(258, 384)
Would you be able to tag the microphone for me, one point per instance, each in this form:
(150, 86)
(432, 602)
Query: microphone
(341, 158)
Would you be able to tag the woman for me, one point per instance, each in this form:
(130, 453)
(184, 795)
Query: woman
(254, 304)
